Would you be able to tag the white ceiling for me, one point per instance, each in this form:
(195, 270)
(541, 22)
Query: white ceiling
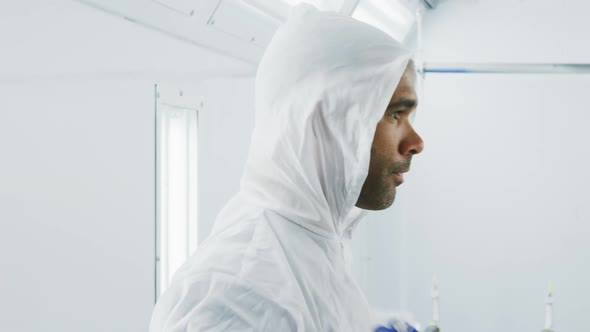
(64, 38)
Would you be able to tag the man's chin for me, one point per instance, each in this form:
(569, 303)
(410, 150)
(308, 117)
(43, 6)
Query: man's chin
(392, 199)
(380, 204)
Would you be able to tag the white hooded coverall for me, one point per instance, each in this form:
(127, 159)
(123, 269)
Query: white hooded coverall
(278, 257)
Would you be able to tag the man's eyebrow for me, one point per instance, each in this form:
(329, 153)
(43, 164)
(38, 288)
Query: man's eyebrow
(405, 103)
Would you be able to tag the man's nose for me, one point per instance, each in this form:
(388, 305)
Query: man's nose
(412, 143)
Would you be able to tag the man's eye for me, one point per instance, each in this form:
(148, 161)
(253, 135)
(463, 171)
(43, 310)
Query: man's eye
(396, 115)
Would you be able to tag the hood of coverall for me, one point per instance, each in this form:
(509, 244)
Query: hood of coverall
(321, 88)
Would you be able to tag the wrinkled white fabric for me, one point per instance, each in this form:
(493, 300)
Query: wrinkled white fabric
(278, 256)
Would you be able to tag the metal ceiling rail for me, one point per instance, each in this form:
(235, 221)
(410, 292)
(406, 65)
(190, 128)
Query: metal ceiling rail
(506, 68)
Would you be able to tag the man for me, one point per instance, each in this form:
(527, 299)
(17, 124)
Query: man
(332, 140)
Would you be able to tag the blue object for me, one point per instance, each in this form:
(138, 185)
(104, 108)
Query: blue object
(392, 327)
(385, 329)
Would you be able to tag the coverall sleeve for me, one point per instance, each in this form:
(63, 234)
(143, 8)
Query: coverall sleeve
(223, 307)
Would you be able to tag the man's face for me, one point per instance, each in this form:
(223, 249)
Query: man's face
(394, 144)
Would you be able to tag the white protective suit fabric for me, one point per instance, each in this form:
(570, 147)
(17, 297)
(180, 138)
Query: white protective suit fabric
(278, 256)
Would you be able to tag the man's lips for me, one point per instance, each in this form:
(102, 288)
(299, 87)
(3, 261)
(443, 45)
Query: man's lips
(400, 176)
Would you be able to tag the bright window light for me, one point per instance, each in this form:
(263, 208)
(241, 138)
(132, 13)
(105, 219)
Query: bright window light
(391, 16)
(321, 4)
(176, 196)
(279, 9)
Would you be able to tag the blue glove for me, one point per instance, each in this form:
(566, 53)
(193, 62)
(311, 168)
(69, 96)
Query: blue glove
(396, 326)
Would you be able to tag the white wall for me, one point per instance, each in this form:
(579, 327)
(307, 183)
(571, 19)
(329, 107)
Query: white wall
(77, 197)
(496, 205)
(77, 161)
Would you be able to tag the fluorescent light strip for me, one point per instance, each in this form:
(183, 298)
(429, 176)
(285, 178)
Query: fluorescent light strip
(177, 196)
